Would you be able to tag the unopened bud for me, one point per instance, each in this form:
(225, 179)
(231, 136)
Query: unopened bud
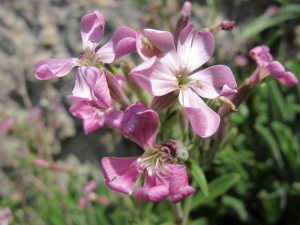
(161, 102)
(183, 20)
(90, 186)
(225, 25)
(175, 146)
(116, 91)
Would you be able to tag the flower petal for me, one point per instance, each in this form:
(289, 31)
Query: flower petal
(288, 79)
(91, 88)
(203, 119)
(214, 81)
(163, 40)
(179, 186)
(114, 117)
(120, 173)
(122, 43)
(275, 69)
(261, 54)
(154, 189)
(154, 77)
(47, 69)
(194, 53)
(93, 118)
(140, 124)
(92, 29)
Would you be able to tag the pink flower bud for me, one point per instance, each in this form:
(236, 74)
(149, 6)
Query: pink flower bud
(82, 202)
(41, 163)
(90, 186)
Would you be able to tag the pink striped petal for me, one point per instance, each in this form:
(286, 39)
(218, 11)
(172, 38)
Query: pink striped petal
(203, 119)
(93, 118)
(47, 69)
(140, 124)
(122, 43)
(91, 88)
(154, 77)
(214, 81)
(120, 173)
(154, 189)
(275, 69)
(193, 53)
(179, 186)
(288, 79)
(92, 29)
(114, 117)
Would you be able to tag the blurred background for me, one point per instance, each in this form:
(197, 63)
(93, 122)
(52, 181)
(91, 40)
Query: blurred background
(254, 177)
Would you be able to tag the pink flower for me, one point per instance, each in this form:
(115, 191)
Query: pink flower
(91, 62)
(94, 118)
(90, 187)
(7, 125)
(241, 60)
(5, 215)
(162, 179)
(174, 71)
(82, 202)
(266, 66)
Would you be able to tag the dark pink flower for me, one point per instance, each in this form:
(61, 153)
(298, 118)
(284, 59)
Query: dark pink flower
(162, 179)
(174, 71)
(92, 30)
(266, 66)
(94, 118)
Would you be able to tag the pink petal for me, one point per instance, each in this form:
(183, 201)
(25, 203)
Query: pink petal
(179, 186)
(154, 77)
(92, 29)
(114, 117)
(193, 53)
(82, 202)
(163, 40)
(120, 173)
(261, 54)
(288, 79)
(203, 119)
(122, 43)
(276, 69)
(47, 69)
(140, 124)
(91, 88)
(215, 81)
(154, 189)
(93, 118)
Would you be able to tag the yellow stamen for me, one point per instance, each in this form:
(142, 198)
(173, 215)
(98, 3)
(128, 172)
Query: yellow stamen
(147, 44)
(199, 84)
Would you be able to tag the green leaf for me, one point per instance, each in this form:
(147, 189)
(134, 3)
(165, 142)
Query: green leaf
(217, 187)
(199, 176)
(200, 221)
(237, 206)
(266, 134)
(263, 22)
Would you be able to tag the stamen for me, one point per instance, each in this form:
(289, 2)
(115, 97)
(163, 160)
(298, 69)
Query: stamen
(147, 44)
(199, 84)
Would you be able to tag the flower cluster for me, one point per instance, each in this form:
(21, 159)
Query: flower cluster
(170, 71)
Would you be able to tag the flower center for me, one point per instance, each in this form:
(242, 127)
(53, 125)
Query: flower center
(154, 159)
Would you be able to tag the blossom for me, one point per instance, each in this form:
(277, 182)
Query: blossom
(162, 178)
(94, 118)
(267, 66)
(5, 215)
(174, 72)
(91, 63)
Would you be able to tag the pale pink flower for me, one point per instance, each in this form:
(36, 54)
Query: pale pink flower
(92, 30)
(7, 125)
(162, 179)
(266, 66)
(174, 71)
(241, 60)
(90, 187)
(94, 118)
(83, 202)
(5, 215)
(271, 10)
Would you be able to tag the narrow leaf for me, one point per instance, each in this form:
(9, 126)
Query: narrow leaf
(199, 176)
